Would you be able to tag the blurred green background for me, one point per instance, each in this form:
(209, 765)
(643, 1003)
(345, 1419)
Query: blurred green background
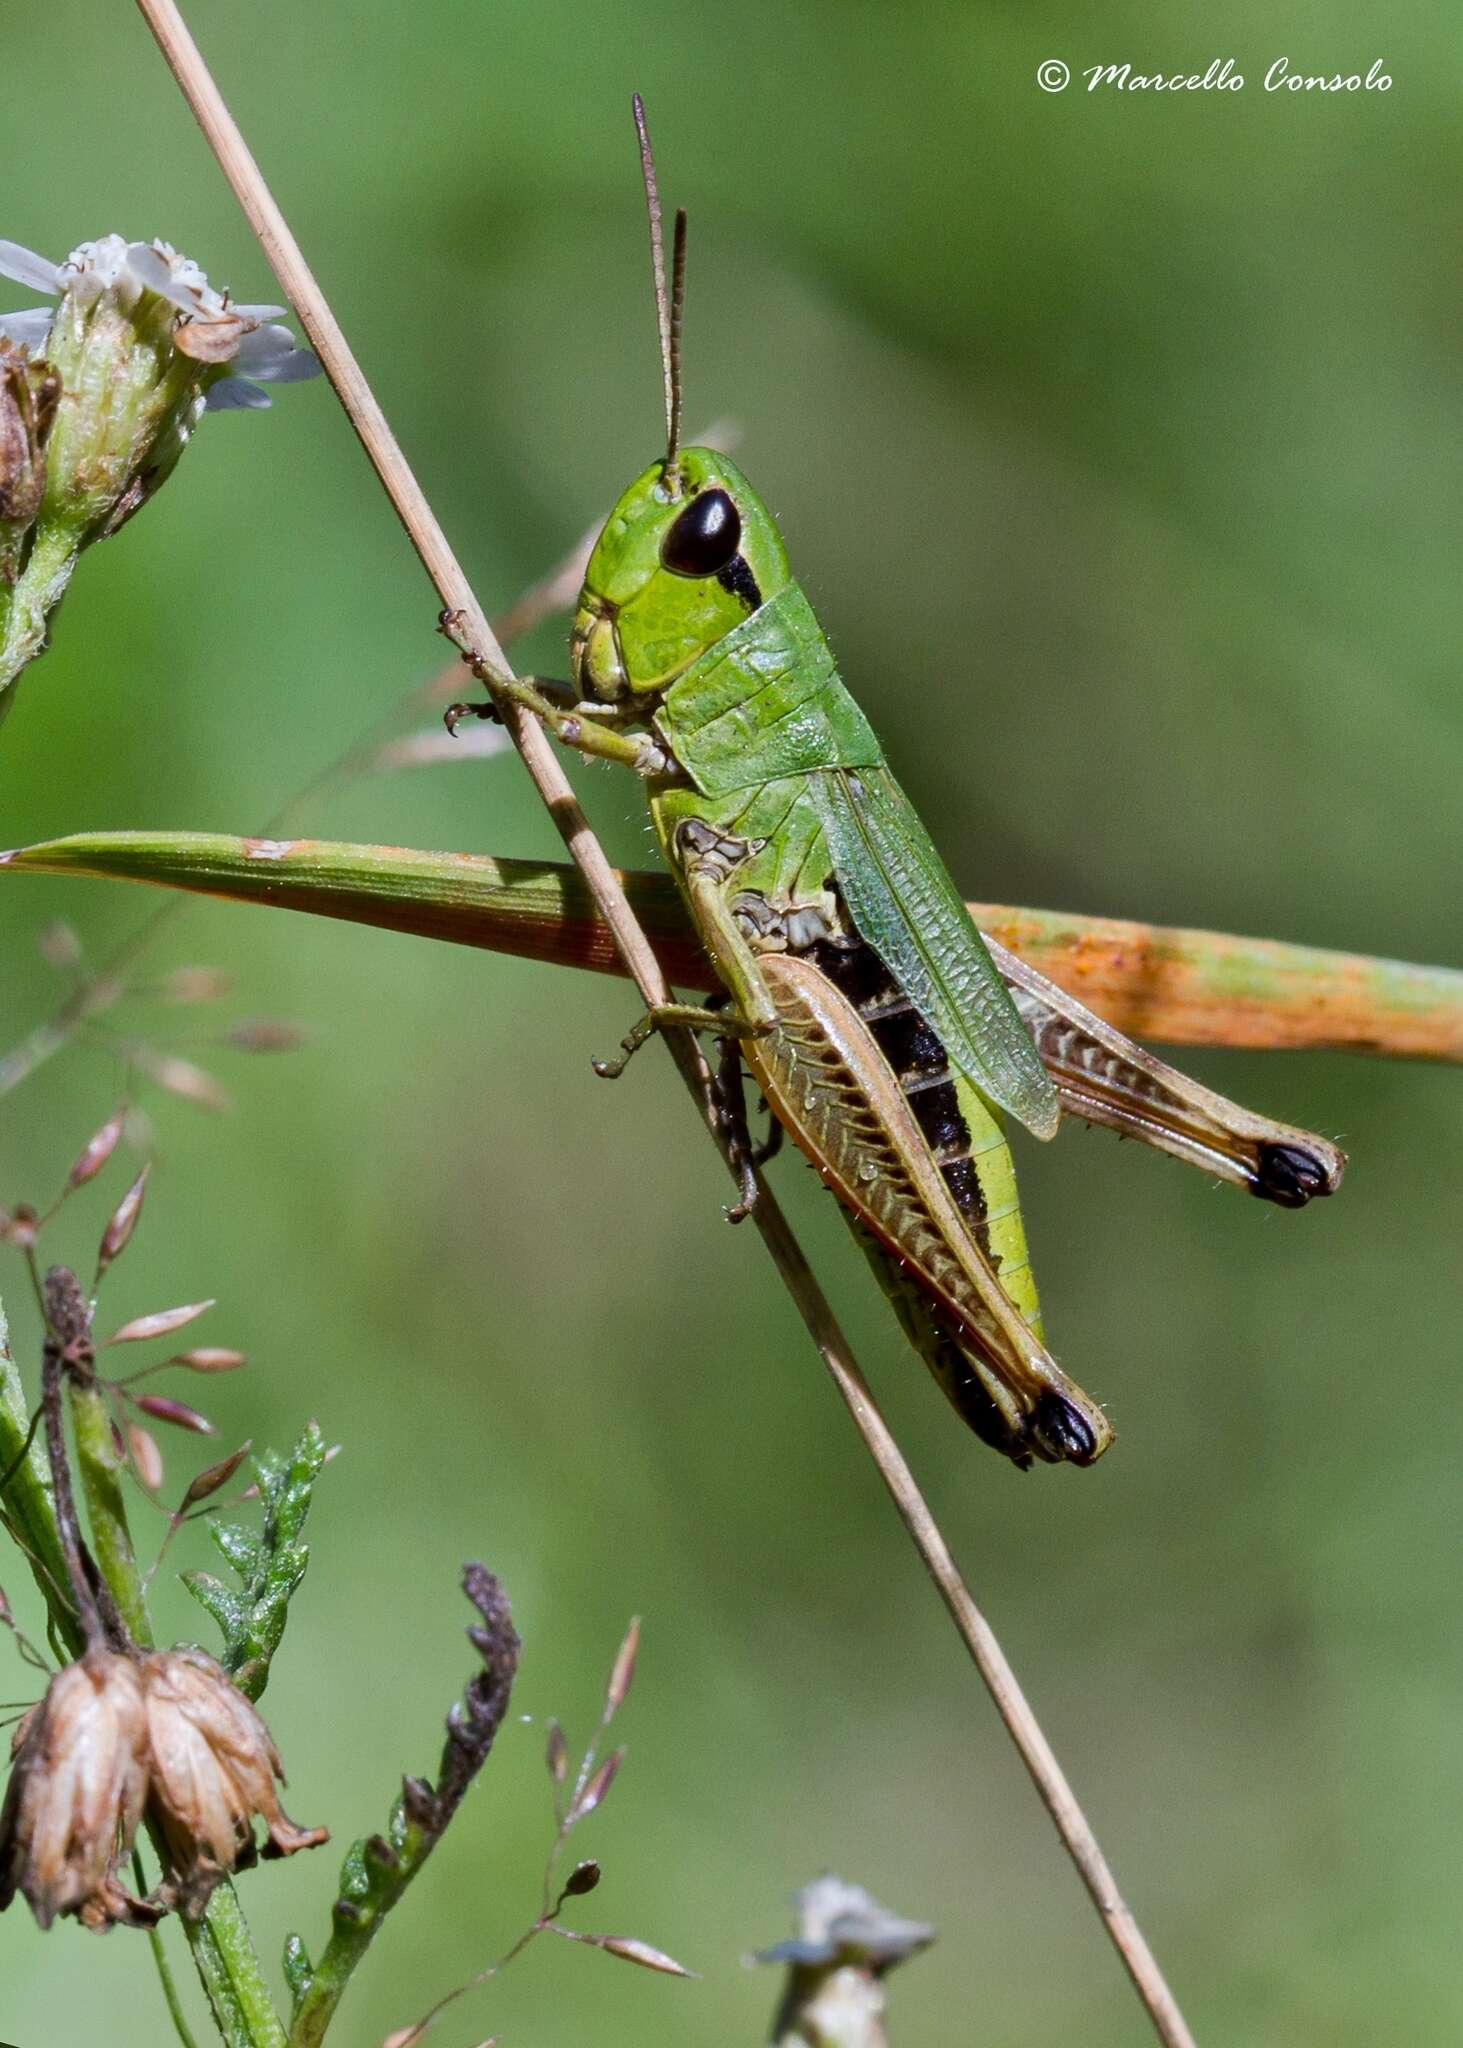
(1115, 439)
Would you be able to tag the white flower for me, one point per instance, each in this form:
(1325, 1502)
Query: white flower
(214, 329)
(99, 396)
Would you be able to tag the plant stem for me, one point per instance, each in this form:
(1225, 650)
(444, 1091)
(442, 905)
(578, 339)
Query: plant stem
(25, 609)
(101, 1480)
(25, 1498)
(223, 1949)
(163, 1967)
(228, 1968)
(434, 550)
(48, 1038)
(93, 1631)
(356, 1924)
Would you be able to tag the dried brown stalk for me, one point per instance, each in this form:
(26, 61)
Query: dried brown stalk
(319, 323)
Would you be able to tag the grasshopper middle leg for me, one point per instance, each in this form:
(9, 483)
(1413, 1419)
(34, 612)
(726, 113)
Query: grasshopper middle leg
(707, 860)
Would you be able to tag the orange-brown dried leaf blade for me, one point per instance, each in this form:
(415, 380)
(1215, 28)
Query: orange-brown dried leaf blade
(1155, 982)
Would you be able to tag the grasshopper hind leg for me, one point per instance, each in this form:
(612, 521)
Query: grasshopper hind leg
(731, 1113)
(745, 1157)
(1290, 1176)
(1054, 1430)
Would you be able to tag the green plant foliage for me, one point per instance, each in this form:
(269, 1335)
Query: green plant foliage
(270, 1562)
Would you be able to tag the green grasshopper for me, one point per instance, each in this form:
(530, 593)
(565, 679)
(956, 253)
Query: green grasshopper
(870, 1013)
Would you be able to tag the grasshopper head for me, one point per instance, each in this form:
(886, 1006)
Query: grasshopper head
(687, 554)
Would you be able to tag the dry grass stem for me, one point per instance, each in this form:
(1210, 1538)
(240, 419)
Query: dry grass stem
(431, 544)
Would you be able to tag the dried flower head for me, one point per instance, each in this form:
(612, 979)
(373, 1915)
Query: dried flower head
(214, 1767)
(152, 283)
(77, 1787)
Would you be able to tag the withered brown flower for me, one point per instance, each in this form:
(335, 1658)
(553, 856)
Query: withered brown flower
(213, 1769)
(29, 392)
(76, 1793)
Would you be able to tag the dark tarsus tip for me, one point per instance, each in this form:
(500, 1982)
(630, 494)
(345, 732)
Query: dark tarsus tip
(1289, 1176)
(1058, 1430)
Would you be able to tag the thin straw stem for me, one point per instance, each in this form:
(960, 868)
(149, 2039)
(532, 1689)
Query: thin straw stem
(227, 143)
(93, 1633)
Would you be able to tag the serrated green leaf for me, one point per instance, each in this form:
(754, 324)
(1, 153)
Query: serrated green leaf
(270, 1563)
(239, 1545)
(225, 1606)
(299, 1971)
(355, 1876)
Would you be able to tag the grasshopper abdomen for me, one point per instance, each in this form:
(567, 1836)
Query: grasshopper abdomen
(830, 1084)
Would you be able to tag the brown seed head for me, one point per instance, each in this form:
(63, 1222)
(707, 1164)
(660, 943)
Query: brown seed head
(163, 1409)
(76, 1793)
(97, 1150)
(197, 984)
(214, 1768)
(147, 1459)
(121, 1224)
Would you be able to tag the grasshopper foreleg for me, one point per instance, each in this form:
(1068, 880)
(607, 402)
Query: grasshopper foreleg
(575, 725)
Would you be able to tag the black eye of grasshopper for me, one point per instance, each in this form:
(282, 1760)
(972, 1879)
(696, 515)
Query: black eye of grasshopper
(705, 538)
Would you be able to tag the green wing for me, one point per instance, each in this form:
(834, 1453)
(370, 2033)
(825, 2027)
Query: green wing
(905, 905)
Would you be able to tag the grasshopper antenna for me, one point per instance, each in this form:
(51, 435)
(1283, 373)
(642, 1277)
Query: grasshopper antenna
(667, 302)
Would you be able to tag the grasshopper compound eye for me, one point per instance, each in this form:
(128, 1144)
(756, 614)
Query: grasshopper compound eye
(705, 537)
